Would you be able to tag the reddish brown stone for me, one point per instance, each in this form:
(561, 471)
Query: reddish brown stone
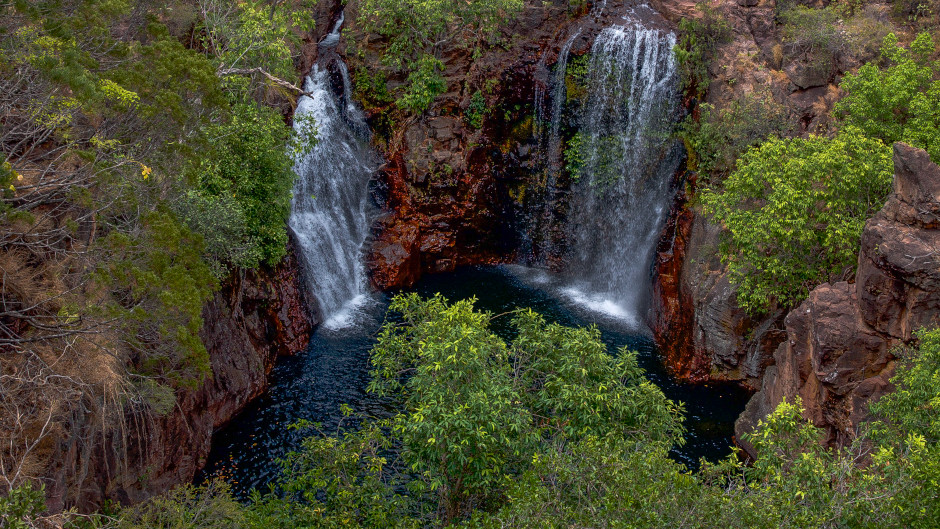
(838, 354)
(250, 321)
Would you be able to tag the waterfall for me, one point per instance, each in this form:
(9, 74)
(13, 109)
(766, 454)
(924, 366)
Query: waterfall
(627, 159)
(552, 140)
(549, 104)
(331, 212)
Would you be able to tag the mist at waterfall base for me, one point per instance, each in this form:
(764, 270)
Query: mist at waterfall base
(334, 370)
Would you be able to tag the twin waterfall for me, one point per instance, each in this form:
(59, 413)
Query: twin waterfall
(331, 213)
(628, 156)
(626, 153)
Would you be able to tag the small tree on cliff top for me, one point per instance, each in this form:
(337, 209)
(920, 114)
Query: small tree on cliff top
(794, 211)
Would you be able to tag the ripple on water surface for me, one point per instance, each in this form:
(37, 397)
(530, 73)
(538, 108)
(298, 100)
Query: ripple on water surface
(335, 370)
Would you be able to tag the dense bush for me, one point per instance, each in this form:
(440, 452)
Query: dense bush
(425, 82)
(826, 36)
(139, 167)
(417, 32)
(551, 431)
(247, 161)
(899, 102)
(718, 137)
(794, 210)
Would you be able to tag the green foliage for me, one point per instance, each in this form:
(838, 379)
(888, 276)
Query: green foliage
(425, 83)
(372, 89)
(477, 110)
(826, 35)
(900, 102)
(794, 210)
(476, 410)
(247, 161)
(909, 432)
(816, 33)
(21, 506)
(718, 137)
(592, 472)
(159, 283)
(417, 32)
(576, 77)
(187, 507)
(175, 167)
(699, 39)
(574, 156)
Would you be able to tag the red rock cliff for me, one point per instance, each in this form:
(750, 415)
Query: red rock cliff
(838, 353)
(252, 320)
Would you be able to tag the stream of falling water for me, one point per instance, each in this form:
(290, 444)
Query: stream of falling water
(628, 157)
(331, 210)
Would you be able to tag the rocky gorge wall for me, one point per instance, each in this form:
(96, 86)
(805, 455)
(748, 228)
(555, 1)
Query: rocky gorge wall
(453, 193)
(253, 319)
(839, 352)
(835, 350)
(701, 331)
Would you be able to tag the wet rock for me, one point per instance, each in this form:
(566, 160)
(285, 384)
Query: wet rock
(699, 328)
(395, 261)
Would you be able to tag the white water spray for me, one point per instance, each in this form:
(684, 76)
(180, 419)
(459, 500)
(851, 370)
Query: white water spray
(628, 158)
(331, 211)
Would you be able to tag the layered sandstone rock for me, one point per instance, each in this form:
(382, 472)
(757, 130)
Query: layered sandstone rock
(838, 355)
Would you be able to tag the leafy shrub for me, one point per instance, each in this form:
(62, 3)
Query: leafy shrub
(159, 282)
(425, 83)
(372, 89)
(574, 156)
(794, 210)
(576, 77)
(20, 506)
(416, 33)
(829, 34)
(699, 39)
(246, 178)
(900, 102)
(477, 110)
(718, 137)
(817, 33)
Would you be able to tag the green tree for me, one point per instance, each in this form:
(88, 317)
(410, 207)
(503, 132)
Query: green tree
(594, 473)
(900, 102)
(476, 412)
(794, 210)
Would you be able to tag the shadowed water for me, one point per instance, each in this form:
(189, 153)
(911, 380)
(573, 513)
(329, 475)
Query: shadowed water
(335, 370)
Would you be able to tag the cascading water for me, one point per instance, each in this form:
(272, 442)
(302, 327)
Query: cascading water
(550, 137)
(331, 211)
(627, 159)
(547, 129)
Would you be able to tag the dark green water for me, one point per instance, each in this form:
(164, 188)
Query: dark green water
(335, 370)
